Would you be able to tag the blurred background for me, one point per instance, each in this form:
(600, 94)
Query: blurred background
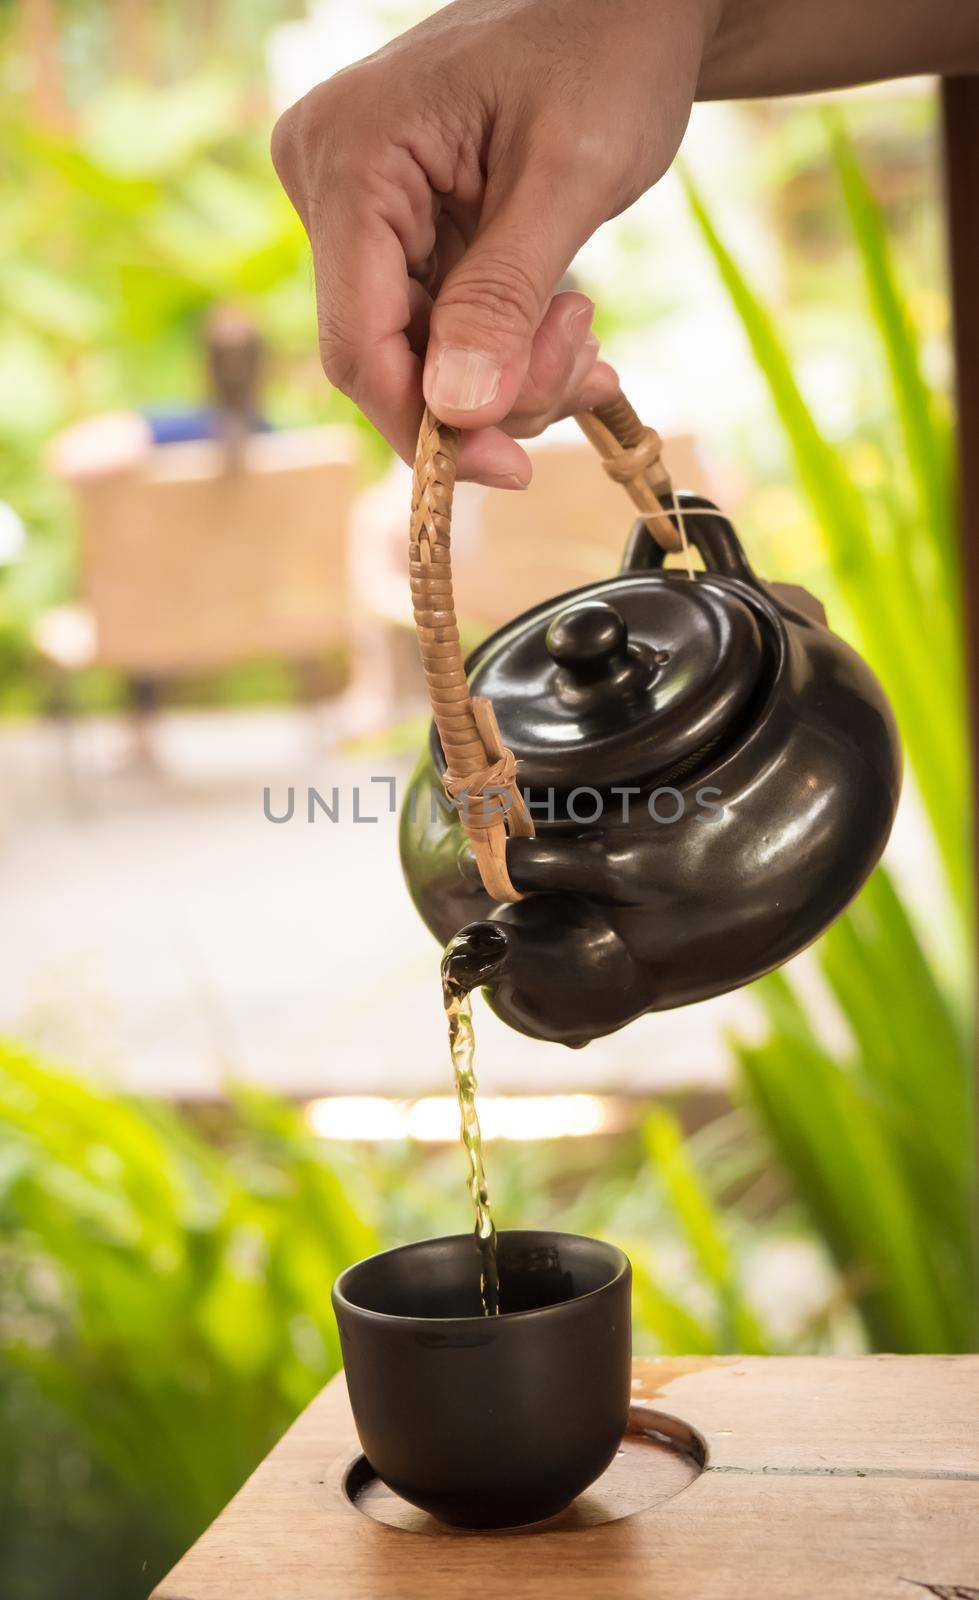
(223, 1073)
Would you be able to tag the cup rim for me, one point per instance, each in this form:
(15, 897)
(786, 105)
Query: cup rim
(623, 1267)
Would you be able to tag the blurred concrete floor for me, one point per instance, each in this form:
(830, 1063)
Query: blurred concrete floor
(159, 931)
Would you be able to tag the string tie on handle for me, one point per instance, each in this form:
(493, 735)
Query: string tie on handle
(638, 460)
(497, 779)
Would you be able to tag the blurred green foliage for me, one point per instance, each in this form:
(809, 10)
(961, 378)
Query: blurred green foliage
(892, 552)
(120, 235)
(879, 1136)
(164, 1298)
(164, 1312)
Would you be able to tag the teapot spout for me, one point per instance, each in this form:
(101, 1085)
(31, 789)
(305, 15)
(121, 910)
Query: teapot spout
(479, 954)
(552, 965)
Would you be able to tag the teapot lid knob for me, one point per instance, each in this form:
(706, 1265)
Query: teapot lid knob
(587, 639)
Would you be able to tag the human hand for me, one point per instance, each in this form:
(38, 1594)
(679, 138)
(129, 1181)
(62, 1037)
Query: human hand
(447, 182)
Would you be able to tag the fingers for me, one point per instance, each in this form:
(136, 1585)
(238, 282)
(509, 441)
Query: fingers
(513, 358)
(493, 302)
(489, 456)
(562, 364)
(601, 385)
(366, 309)
(371, 224)
(486, 455)
(373, 316)
(375, 321)
(560, 345)
(564, 376)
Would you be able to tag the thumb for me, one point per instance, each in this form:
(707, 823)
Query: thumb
(491, 304)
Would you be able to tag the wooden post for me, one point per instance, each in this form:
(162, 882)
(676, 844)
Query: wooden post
(960, 106)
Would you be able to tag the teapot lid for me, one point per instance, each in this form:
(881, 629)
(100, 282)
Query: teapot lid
(630, 680)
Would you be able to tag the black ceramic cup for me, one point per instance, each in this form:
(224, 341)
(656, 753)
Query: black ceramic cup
(489, 1422)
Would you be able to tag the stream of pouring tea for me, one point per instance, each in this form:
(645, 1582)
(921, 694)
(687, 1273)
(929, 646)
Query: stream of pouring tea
(458, 1012)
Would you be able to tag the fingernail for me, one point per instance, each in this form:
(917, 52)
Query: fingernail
(464, 380)
(579, 323)
(505, 480)
(583, 362)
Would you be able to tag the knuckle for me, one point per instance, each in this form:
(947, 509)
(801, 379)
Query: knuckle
(339, 362)
(570, 146)
(339, 114)
(282, 147)
(500, 297)
(593, 153)
(322, 114)
(316, 139)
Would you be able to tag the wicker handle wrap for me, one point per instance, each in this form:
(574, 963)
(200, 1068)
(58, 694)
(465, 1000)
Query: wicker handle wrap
(480, 773)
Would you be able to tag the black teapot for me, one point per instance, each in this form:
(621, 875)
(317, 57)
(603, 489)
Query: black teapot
(710, 773)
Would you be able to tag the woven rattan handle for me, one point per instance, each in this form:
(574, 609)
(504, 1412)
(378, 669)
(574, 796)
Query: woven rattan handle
(480, 774)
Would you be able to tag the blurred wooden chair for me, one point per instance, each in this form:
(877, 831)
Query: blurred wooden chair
(568, 529)
(192, 562)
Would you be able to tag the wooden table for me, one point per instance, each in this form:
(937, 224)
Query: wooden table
(824, 1477)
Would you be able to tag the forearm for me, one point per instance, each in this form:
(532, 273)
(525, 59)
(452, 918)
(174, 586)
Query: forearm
(773, 47)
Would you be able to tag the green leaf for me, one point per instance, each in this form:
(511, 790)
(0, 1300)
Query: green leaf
(701, 1226)
(926, 446)
(886, 599)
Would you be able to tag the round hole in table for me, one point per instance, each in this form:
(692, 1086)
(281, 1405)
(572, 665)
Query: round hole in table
(660, 1456)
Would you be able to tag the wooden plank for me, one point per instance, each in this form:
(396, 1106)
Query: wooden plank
(810, 1413)
(828, 1477)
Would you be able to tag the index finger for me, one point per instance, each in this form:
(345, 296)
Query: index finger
(363, 309)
